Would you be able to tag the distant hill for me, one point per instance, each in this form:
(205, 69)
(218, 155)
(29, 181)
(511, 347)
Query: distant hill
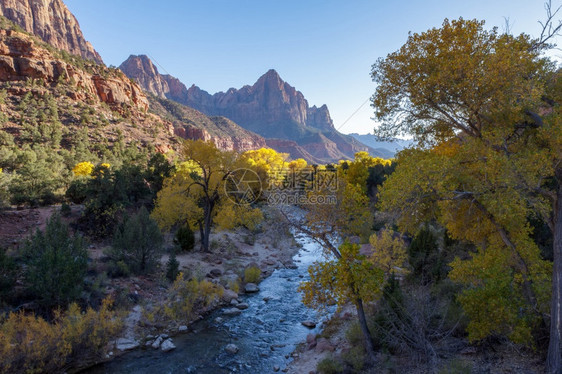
(271, 108)
(387, 148)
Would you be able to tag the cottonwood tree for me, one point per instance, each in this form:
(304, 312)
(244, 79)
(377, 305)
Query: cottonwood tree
(196, 192)
(484, 107)
(346, 276)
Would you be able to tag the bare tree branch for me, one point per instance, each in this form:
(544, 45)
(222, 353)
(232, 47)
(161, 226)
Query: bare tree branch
(550, 27)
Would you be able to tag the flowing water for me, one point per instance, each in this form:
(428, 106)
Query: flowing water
(266, 333)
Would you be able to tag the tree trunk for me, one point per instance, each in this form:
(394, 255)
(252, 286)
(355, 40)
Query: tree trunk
(201, 235)
(554, 358)
(207, 225)
(368, 339)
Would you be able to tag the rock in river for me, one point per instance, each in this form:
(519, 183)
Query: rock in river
(309, 324)
(251, 288)
(231, 312)
(168, 345)
(232, 349)
(242, 306)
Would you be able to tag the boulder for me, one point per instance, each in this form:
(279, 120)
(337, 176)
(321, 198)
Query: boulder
(167, 346)
(182, 328)
(323, 345)
(251, 288)
(125, 344)
(232, 312)
(309, 324)
(242, 306)
(215, 273)
(232, 349)
(157, 343)
(228, 295)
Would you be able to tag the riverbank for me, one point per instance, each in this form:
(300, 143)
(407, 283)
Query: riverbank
(260, 337)
(269, 248)
(332, 343)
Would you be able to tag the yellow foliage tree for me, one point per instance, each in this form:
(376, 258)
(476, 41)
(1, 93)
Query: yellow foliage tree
(349, 278)
(267, 159)
(196, 193)
(389, 253)
(344, 278)
(297, 164)
(233, 215)
(357, 171)
(83, 169)
(482, 105)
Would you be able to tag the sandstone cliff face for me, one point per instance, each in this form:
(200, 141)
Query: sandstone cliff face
(263, 107)
(271, 108)
(320, 118)
(225, 143)
(192, 124)
(142, 70)
(21, 59)
(51, 21)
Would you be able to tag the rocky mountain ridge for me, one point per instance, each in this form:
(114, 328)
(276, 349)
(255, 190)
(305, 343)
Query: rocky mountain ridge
(102, 100)
(264, 106)
(271, 108)
(51, 21)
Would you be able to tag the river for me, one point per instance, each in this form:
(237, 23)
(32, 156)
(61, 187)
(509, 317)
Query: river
(266, 333)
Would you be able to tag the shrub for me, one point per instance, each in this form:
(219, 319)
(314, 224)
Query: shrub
(65, 210)
(355, 357)
(329, 366)
(413, 321)
(8, 275)
(252, 274)
(77, 192)
(56, 264)
(425, 258)
(185, 238)
(172, 267)
(118, 269)
(186, 297)
(138, 243)
(234, 285)
(29, 344)
(457, 366)
(83, 169)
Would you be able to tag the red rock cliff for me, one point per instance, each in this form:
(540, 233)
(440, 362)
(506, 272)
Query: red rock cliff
(21, 58)
(51, 21)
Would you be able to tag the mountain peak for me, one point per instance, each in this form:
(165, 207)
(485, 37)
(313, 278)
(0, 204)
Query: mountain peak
(51, 21)
(141, 62)
(272, 73)
(271, 76)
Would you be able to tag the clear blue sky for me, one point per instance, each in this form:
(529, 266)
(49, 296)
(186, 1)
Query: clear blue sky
(324, 48)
